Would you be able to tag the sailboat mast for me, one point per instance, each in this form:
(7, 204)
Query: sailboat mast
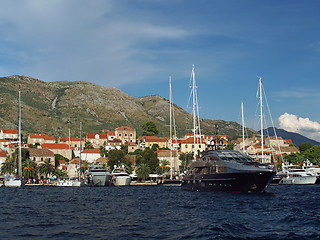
(170, 93)
(19, 132)
(194, 111)
(261, 118)
(243, 145)
(80, 151)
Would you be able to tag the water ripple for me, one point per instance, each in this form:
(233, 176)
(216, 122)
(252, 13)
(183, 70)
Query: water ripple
(285, 212)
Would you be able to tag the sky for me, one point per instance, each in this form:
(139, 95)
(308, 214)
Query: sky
(135, 45)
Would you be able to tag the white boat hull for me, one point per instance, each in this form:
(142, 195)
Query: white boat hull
(68, 183)
(14, 183)
(99, 180)
(298, 180)
(121, 180)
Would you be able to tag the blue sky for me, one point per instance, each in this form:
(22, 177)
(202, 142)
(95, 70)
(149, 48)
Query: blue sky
(135, 45)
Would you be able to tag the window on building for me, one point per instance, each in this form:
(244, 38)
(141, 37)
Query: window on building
(125, 135)
(41, 159)
(131, 135)
(119, 134)
(34, 158)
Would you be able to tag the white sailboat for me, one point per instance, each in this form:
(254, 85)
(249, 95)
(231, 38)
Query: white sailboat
(18, 181)
(173, 181)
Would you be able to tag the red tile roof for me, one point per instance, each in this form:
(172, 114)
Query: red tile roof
(154, 139)
(191, 140)
(94, 150)
(43, 136)
(10, 131)
(3, 140)
(288, 141)
(35, 152)
(55, 146)
(37, 135)
(93, 136)
(3, 154)
(49, 138)
(124, 128)
(111, 133)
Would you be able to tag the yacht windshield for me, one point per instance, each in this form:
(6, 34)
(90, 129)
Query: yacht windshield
(234, 156)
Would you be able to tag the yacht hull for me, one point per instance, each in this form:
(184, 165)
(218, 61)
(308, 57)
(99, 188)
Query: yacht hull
(121, 180)
(229, 182)
(298, 180)
(15, 183)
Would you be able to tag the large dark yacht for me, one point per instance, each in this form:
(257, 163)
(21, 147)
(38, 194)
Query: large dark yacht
(227, 171)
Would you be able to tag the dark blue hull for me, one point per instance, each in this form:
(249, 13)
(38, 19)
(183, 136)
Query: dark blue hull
(228, 182)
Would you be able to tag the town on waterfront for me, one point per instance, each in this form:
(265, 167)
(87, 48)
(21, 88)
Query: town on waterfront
(147, 159)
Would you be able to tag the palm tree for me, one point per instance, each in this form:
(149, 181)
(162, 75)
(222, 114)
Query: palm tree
(60, 173)
(143, 171)
(84, 166)
(164, 166)
(29, 168)
(88, 145)
(9, 167)
(46, 168)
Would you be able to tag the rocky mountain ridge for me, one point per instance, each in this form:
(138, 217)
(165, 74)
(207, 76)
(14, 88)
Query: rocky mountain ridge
(54, 107)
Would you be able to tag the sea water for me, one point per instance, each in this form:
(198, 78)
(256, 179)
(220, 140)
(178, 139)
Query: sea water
(158, 212)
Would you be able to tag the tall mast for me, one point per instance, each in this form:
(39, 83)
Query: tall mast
(243, 145)
(170, 93)
(261, 118)
(80, 151)
(19, 132)
(194, 111)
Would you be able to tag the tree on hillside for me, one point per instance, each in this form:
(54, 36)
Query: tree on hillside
(117, 157)
(150, 129)
(305, 146)
(148, 157)
(313, 154)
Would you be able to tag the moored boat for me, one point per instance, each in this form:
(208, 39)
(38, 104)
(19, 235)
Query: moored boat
(227, 171)
(297, 177)
(99, 176)
(69, 183)
(120, 177)
(14, 182)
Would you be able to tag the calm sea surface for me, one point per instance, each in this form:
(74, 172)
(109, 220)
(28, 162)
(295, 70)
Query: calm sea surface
(158, 212)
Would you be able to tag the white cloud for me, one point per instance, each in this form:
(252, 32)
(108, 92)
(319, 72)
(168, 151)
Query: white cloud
(97, 41)
(298, 93)
(303, 126)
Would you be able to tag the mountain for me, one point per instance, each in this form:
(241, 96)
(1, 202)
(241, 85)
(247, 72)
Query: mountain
(296, 138)
(54, 107)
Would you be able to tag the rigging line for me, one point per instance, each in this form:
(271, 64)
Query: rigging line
(275, 133)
